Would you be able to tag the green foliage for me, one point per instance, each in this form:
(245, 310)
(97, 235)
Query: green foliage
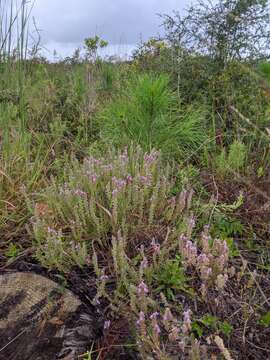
(210, 66)
(227, 227)
(265, 320)
(237, 156)
(234, 161)
(147, 114)
(107, 76)
(92, 45)
(212, 323)
(153, 56)
(12, 251)
(264, 70)
(170, 278)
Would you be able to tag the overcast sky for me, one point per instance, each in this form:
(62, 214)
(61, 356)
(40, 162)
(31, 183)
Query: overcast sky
(64, 24)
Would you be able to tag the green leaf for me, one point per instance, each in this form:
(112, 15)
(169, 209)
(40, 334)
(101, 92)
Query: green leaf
(197, 329)
(209, 320)
(12, 251)
(225, 328)
(265, 319)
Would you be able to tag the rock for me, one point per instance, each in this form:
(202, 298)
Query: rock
(40, 320)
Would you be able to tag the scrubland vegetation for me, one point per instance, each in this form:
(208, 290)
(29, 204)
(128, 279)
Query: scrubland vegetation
(144, 185)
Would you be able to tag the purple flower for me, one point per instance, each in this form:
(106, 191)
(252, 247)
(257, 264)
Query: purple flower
(146, 180)
(150, 158)
(119, 183)
(96, 161)
(142, 289)
(174, 333)
(107, 168)
(190, 252)
(64, 190)
(206, 272)
(167, 315)
(114, 192)
(80, 193)
(187, 322)
(183, 238)
(154, 315)
(104, 277)
(107, 324)
(144, 263)
(51, 231)
(92, 161)
(203, 260)
(156, 329)
(129, 179)
(141, 319)
(92, 177)
(156, 246)
(221, 281)
(172, 200)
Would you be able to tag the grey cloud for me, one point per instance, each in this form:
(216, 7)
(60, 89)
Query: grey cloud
(65, 24)
(124, 21)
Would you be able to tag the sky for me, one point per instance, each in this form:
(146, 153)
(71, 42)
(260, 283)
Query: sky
(64, 24)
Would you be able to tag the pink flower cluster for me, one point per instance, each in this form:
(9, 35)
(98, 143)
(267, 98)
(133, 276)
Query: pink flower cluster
(93, 177)
(155, 246)
(90, 161)
(146, 180)
(211, 262)
(142, 289)
(107, 168)
(79, 193)
(151, 158)
(186, 327)
(123, 157)
(119, 184)
(159, 330)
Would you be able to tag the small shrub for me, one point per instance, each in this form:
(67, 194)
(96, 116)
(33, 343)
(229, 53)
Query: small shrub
(125, 193)
(147, 113)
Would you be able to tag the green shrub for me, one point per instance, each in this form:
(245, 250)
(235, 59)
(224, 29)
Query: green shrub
(148, 113)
